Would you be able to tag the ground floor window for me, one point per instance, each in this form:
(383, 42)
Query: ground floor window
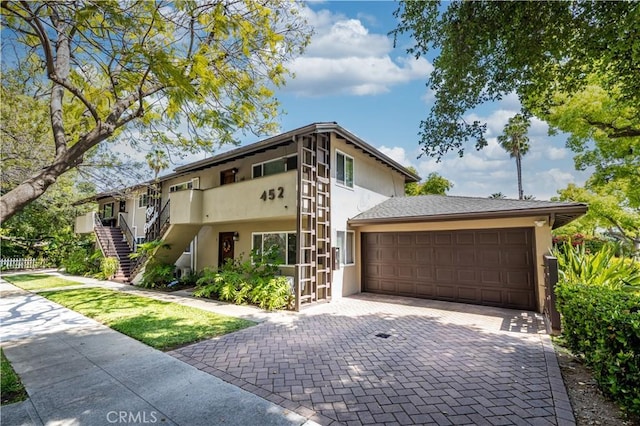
(346, 244)
(283, 243)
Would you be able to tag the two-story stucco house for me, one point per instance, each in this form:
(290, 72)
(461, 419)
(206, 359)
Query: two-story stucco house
(335, 207)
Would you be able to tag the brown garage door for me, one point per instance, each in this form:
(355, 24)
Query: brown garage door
(488, 267)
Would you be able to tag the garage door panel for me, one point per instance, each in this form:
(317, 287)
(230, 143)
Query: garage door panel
(446, 292)
(464, 238)
(468, 294)
(424, 274)
(406, 288)
(515, 238)
(491, 267)
(405, 271)
(518, 280)
(442, 238)
(466, 256)
(406, 255)
(445, 275)
(517, 259)
(490, 278)
(490, 238)
(444, 256)
(405, 240)
(467, 276)
(491, 297)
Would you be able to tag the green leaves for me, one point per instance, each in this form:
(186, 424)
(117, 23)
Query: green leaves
(603, 324)
(185, 74)
(485, 50)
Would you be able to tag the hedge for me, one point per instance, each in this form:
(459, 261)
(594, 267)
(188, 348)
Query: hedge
(603, 325)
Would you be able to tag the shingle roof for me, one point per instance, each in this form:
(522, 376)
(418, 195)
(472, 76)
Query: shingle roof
(443, 207)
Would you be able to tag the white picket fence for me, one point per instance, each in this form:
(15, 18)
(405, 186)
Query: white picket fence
(13, 263)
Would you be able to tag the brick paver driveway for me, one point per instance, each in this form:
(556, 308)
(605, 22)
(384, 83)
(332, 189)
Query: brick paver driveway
(389, 360)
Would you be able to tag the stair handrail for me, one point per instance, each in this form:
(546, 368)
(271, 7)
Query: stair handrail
(164, 218)
(97, 224)
(126, 230)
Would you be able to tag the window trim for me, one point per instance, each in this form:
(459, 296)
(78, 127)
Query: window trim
(286, 249)
(343, 253)
(343, 183)
(273, 160)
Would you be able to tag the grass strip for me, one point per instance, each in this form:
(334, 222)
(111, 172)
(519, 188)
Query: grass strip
(11, 389)
(162, 325)
(38, 281)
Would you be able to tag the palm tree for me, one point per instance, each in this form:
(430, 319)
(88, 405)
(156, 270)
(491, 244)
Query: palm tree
(498, 196)
(515, 141)
(157, 161)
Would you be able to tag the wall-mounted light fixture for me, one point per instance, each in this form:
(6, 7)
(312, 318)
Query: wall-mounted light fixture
(540, 223)
(236, 236)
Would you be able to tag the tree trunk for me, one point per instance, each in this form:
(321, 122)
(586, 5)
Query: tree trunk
(519, 167)
(29, 190)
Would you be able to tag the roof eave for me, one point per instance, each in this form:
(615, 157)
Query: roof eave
(569, 212)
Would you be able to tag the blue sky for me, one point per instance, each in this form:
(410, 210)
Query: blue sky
(352, 74)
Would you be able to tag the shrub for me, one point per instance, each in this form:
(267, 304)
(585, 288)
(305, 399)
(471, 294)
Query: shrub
(109, 267)
(603, 325)
(83, 261)
(249, 281)
(157, 274)
(603, 268)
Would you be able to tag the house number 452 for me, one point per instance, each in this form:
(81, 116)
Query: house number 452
(271, 194)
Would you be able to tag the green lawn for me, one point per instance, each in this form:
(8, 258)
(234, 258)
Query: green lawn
(11, 389)
(162, 325)
(38, 281)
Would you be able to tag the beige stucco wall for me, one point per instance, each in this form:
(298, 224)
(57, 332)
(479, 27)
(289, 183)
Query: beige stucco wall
(373, 183)
(84, 224)
(542, 239)
(208, 238)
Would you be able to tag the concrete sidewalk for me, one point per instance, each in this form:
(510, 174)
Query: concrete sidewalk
(79, 372)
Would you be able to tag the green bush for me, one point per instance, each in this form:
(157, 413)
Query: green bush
(82, 261)
(157, 274)
(603, 268)
(603, 325)
(109, 267)
(249, 281)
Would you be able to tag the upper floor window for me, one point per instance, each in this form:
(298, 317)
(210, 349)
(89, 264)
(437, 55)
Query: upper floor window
(344, 169)
(276, 166)
(107, 211)
(143, 201)
(191, 184)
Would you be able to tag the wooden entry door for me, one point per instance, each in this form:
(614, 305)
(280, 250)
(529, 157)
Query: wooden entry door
(225, 247)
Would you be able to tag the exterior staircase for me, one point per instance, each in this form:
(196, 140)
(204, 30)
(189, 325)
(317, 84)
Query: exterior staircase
(114, 244)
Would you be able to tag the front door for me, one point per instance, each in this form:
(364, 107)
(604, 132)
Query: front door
(225, 247)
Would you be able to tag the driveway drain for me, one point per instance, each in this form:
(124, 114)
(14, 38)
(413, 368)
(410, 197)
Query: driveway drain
(383, 335)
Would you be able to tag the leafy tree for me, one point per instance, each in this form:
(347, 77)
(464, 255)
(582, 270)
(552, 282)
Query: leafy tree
(197, 72)
(488, 49)
(433, 184)
(498, 196)
(45, 228)
(601, 128)
(515, 141)
(609, 211)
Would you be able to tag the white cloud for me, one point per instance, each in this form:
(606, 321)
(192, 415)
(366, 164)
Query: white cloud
(344, 57)
(554, 153)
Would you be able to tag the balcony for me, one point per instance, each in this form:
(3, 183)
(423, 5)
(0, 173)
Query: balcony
(269, 197)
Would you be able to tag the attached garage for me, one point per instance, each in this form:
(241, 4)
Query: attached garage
(487, 267)
(460, 249)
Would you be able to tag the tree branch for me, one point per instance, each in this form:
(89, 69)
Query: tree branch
(612, 131)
